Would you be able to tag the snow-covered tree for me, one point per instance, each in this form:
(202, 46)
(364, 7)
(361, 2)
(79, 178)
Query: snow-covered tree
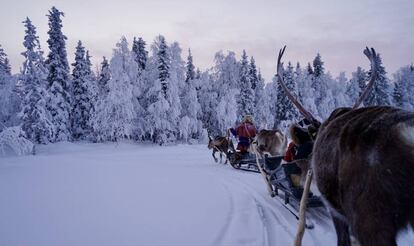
(337, 93)
(59, 88)
(246, 98)
(13, 139)
(318, 68)
(262, 111)
(92, 83)
(141, 55)
(356, 85)
(82, 95)
(5, 67)
(190, 126)
(381, 90)
(309, 69)
(190, 69)
(163, 64)
(115, 113)
(404, 87)
(163, 102)
(318, 82)
(285, 110)
(271, 90)
(208, 98)
(306, 94)
(226, 74)
(9, 96)
(36, 119)
(103, 78)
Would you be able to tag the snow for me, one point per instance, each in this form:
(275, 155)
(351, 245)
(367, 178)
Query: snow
(137, 194)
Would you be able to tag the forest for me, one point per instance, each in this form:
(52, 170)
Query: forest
(150, 93)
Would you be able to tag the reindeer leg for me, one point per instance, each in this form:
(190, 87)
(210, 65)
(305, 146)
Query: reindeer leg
(370, 231)
(214, 156)
(221, 158)
(342, 231)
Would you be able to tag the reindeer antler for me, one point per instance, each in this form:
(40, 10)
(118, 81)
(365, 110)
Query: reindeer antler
(372, 56)
(301, 109)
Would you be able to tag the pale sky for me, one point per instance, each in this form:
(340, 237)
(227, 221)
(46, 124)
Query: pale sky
(338, 29)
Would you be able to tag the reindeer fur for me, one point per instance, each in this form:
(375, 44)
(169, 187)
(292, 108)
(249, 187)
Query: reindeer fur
(363, 160)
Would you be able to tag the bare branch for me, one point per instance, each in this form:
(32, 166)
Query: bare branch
(372, 56)
(301, 109)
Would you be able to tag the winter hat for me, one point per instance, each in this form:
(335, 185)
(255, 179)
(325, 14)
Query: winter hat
(247, 119)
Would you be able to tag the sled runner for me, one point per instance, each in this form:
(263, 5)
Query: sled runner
(281, 179)
(279, 176)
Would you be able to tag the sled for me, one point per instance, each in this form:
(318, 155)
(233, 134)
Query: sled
(278, 175)
(281, 180)
(247, 161)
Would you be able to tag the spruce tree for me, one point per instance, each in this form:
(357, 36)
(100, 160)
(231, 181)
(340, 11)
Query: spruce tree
(163, 65)
(5, 67)
(261, 103)
(380, 94)
(59, 88)
(190, 73)
(9, 94)
(253, 74)
(82, 101)
(309, 69)
(356, 85)
(36, 119)
(318, 68)
(246, 99)
(141, 55)
(319, 85)
(257, 89)
(398, 95)
(403, 94)
(285, 110)
(159, 128)
(190, 126)
(103, 78)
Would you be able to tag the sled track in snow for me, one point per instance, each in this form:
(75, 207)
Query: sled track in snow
(226, 227)
(278, 226)
(272, 212)
(272, 215)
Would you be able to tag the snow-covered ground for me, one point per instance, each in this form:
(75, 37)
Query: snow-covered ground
(129, 194)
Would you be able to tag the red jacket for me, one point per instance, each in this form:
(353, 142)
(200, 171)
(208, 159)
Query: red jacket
(290, 152)
(245, 130)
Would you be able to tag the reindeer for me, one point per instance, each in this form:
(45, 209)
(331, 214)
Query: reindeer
(273, 142)
(220, 144)
(363, 160)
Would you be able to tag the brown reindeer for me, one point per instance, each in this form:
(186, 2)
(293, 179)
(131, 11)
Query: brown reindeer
(272, 142)
(363, 160)
(220, 144)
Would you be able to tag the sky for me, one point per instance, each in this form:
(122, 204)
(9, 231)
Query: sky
(339, 30)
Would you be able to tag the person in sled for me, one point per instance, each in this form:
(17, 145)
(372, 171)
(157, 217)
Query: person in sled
(301, 145)
(296, 157)
(245, 132)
